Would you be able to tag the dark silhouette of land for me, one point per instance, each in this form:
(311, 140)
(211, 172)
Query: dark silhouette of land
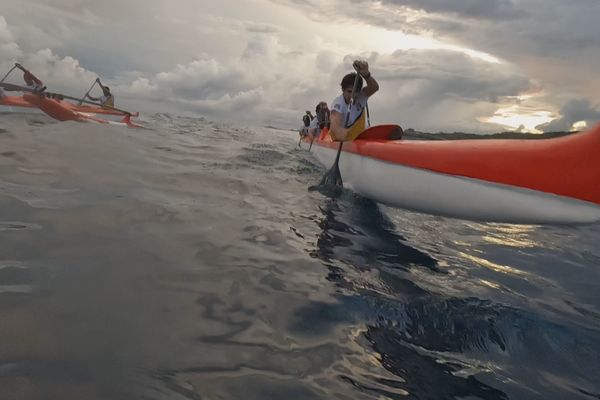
(412, 134)
(417, 135)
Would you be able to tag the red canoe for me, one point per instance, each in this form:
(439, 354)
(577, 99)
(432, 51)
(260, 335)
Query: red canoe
(65, 111)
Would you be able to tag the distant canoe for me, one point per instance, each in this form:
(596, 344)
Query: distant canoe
(57, 105)
(66, 111)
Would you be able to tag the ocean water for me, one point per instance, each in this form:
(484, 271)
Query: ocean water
(190, 261)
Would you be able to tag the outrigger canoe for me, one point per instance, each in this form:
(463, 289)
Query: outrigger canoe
(58, 108)
(19, 101)
(65, 111)
(543, 181)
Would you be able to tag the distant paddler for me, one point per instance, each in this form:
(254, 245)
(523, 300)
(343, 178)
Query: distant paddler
(107, 99)
(321, 121)
(31, 81)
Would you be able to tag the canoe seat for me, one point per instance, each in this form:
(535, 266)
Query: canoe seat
(397, 133)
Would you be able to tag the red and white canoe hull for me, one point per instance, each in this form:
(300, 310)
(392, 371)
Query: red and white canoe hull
(458, 197)
(546, 181)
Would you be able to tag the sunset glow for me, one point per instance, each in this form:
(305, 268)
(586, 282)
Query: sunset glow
(514, 117)
(390, 41)
(579, 126)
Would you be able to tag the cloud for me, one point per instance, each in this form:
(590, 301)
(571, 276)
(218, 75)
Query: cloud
(555, 44)
(261, 28)
(203, 79)
(5, 33)
(9, 50)
(245, 101)
(326, 61)
(572, 112)
(59, 74)
(441, 89)
(488, 9)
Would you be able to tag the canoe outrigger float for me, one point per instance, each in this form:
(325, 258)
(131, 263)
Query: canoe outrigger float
(544, 181)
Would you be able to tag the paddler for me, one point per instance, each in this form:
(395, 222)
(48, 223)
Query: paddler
(323, 114)
(306, 119)
(343, 113)
(107, 99)
(320, 121)
(31, 81)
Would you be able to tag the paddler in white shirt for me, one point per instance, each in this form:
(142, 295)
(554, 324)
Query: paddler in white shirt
(347, 109)
(320, 121)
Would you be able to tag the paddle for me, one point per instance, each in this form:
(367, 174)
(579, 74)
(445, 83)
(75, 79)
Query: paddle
(317, 132)
(8, 73)
(88, 92)
(334, 176)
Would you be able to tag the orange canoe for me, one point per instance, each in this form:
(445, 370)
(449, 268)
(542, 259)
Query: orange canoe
(75, 105)
(65, 111)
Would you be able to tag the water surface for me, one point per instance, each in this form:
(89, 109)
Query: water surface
(189, 261)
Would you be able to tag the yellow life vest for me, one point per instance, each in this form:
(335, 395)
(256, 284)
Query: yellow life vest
(358, 126)
(109, 102)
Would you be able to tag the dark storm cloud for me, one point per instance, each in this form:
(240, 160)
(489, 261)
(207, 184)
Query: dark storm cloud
(573, 111)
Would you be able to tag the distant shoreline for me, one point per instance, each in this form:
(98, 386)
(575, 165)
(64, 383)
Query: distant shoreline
(416, 135)
(412, 134)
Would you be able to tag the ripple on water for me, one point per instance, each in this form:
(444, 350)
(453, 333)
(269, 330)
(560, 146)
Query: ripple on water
(263, 157)
(18, 226)
(16, 277)
(42, 197)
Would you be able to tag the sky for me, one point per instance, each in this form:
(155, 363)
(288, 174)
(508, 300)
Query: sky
(478, 66)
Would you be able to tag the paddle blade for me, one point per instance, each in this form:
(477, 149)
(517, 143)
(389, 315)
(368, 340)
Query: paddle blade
(333, 177)
(331, 184)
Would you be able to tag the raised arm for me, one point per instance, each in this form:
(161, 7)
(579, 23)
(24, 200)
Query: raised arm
(29, 74)
(100, 83)
(362, 67)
